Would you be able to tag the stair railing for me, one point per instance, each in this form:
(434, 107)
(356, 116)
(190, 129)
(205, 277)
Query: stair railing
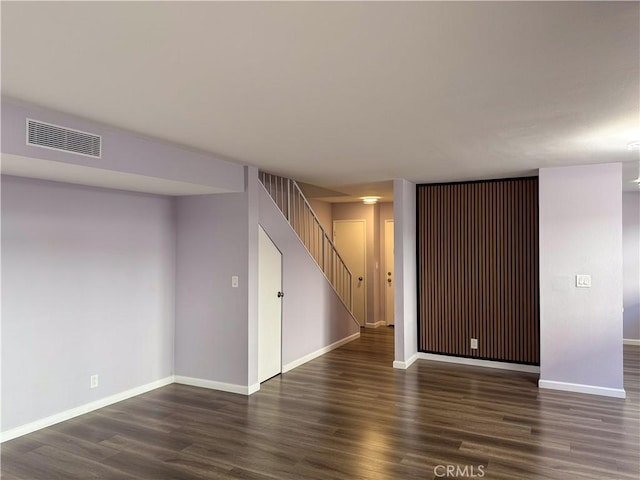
(296, 209)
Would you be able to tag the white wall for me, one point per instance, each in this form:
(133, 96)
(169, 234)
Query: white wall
(406, 301)
(581, 233)
(87, 288)
(631, 264)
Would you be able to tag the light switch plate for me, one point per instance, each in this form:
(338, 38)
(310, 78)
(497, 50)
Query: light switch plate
(583, 281)
(474, 343)
(234, 281)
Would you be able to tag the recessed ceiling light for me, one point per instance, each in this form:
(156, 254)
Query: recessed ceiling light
(370, 200)
(633, 145)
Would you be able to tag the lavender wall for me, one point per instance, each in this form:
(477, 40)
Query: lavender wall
(406, 302)
(211, 316)
(581, 233)
(122, 151)
(87, 288)
(631, 264)
(313, 316)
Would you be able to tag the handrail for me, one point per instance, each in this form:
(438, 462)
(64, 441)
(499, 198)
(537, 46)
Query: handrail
(293, 204)
(315, 217)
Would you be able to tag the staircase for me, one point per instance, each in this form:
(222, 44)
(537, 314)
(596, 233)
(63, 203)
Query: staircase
(296, 209)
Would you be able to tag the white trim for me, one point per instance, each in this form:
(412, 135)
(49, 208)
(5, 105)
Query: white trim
(406, 364)
(476, 362)
(379, 323)
(251, 389)
(307, 358)
(578, 388)
(213, 385)
(82, 409)
(631, 341)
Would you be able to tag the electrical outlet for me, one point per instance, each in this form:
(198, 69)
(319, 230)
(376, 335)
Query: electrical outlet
(583, 281)
(474, 344)
(94, 381)
(234, 281)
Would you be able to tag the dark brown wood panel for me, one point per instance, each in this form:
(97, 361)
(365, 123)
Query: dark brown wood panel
(478, 269)
(348, 415)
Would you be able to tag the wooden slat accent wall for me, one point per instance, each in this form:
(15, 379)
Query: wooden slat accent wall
(478, 269)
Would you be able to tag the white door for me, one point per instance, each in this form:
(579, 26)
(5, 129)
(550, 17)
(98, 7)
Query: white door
(349, 237)
(269, 308)
(388, 272)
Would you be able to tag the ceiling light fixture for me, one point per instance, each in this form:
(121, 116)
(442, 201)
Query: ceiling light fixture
(634, 145)
(370, 200)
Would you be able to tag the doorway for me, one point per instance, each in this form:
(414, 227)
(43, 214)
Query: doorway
(349, 237)
(269, 308)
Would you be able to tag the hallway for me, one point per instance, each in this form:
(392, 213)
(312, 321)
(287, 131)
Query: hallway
(348, 415)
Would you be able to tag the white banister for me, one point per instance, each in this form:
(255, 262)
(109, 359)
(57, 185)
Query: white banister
(290, 200)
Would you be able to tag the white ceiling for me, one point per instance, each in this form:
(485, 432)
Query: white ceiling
(344, 93)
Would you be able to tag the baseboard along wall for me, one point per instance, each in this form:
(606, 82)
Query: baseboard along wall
(180, 379)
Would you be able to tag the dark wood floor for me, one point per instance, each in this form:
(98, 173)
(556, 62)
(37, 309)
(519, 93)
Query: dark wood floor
(349, 415)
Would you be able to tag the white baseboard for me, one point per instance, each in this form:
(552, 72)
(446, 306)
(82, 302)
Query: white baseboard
(307, 358)
(81, 410)
(379, 323)
(251, 389)
(476, 362)
(213, 385)
(578, 388)
(406, 364)
(631, 341)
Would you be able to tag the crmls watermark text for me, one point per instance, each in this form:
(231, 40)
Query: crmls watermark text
(468, 471)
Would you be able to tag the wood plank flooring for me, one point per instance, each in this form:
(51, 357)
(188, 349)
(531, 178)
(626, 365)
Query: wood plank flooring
(349, 415)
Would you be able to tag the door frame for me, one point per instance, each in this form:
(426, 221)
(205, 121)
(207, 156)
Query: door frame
(281, 305)
(364, 250)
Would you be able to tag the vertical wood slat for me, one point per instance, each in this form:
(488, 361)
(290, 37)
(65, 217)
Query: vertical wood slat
(478, 269)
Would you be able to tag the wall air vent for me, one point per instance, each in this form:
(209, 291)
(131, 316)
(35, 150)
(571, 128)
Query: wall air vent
(55, 137)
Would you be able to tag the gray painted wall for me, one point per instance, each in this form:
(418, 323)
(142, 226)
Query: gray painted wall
(87, 288)
(631, 264)
(211, 316)
(406, 301)
(122, 151)
(581, 233)
(312, 313)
